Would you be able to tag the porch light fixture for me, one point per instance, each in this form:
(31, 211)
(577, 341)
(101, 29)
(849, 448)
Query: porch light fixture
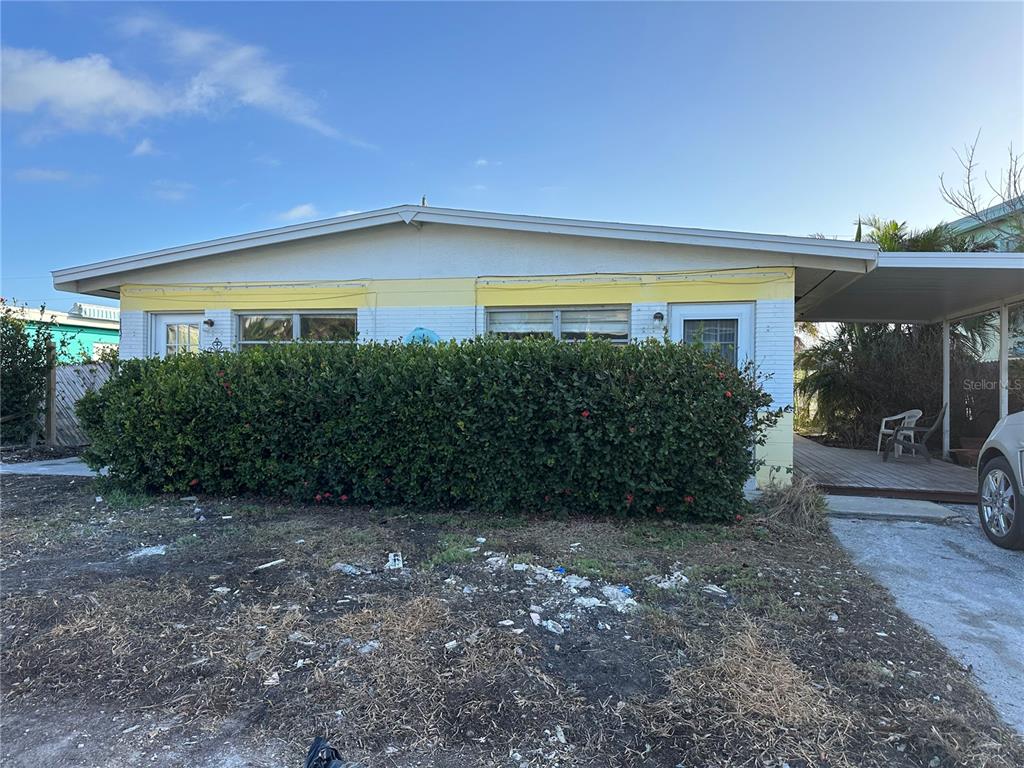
(208, 322)
(659, 317)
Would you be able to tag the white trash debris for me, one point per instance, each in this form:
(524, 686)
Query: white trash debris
(472, 550)
(535, 618)
(619, 597)
(506, 623)
(274, 679)
(669, 581)
(271, 564)
(369, 647)
(160, 549)
(481, 540)
(519, 566)
(714, 590)
(553, 626)
(560, 734)
(451, 645)
(833, 616)
(588, 602)
(395, 562)
(496, 562)
(572, 581)
(99, 499)
(347, 568)
(222, 590)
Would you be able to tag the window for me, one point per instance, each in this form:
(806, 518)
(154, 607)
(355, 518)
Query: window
(268, 327)
(720, 334)
(727, 327)
(566, 323)
(175, 334)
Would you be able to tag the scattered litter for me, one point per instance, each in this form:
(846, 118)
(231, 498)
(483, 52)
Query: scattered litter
(271, 564)
(160, 549)
(553, 626)
(395, 561)
(498, 561)
(189, 498)
(588, 602)
(99, 499)
(714, 590)
(369, 647)
(226, 517)
(535, 618)
(519, 566)
(255, 654)
(833, 616)
(481, 540)
(618, 597)
(559, 569)
(602, 626)
(347, 568)
(274, 679)
(472, 549)
(572, 581)
(518, 631)
(469, 589)
(200, 517)
(669, 581)
(559, 734)
(882, 634)
(222, 590)
(506, 623)
(451, 645)
(301, 638)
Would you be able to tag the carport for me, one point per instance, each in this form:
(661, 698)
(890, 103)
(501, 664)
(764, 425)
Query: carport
(984, 289)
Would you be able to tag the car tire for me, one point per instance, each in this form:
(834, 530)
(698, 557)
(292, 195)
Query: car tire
(995, 481)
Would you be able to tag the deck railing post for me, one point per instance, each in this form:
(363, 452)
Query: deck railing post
(945, 388)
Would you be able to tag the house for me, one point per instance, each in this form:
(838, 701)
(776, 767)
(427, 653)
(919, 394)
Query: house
(85, 331)
(1001, 225)
(382, 274)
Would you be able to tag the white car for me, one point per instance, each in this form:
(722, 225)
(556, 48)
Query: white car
(1000, 479)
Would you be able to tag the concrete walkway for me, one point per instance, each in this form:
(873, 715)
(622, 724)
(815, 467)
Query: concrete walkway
(905, 510)
(964, 590)
(73, 466)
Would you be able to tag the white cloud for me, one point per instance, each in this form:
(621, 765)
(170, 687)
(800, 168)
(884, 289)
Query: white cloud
(483, 162)
(144, 147)
(172, 191)
(347, 212)
(299, 212)
(86, 93)
(42, 174)
(214, 74)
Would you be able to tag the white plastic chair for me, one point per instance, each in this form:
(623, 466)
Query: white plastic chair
(905, 419)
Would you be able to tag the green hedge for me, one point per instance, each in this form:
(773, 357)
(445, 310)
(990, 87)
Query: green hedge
(532, 425)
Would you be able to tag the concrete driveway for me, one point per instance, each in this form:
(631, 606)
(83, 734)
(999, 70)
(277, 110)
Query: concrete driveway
(966, 592)
(71, 466)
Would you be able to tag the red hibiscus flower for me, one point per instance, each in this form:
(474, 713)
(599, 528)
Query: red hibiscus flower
(585, 413)
(688, 499)
(728, 393)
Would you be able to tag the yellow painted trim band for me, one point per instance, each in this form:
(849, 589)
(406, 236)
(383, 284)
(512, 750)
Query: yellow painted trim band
(722, 285)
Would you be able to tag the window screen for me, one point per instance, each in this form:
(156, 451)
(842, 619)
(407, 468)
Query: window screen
(566, 323)
(719, 334)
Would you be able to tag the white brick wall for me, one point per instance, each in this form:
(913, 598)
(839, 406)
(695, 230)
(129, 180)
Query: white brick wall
(224, 330)
(391, 323)
(134, 335)
(773, 348)
(642, 323)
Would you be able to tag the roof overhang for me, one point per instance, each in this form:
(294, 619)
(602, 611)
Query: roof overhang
(100, 278)
(917, 288)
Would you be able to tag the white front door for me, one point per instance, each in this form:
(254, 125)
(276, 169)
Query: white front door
(174, 334)
(728, 327)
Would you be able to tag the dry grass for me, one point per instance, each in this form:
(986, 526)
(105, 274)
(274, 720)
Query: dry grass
(799, 506)
(747, 697)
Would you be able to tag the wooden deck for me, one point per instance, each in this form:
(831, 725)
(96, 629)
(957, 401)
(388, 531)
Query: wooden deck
(863, 473)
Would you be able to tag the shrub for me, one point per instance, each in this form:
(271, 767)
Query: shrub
(532, 425)
(23, 370)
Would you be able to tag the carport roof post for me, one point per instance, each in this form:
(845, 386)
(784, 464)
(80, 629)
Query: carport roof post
(926, 288)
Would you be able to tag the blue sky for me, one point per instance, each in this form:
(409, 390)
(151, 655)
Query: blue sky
(134, 127)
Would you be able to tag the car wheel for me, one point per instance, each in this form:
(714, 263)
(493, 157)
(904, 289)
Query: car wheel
(999, 505)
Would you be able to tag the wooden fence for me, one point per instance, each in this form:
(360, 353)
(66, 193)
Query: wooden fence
(66, 386)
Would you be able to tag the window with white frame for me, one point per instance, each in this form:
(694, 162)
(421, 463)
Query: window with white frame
(720, 334)
(565, 323)
(269, 327)
(727, 328)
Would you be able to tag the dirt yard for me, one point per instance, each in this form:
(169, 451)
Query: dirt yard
(136, 634)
